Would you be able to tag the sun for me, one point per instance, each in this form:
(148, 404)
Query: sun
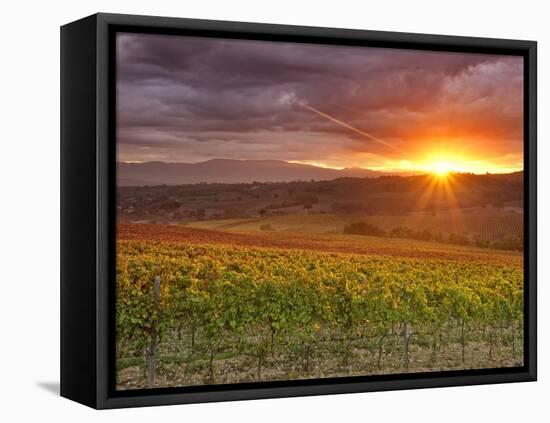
(442, 165)
(441, 168)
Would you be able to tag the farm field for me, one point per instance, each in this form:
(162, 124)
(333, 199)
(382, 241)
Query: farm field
(334, 243)
(234, 307)
(490, 225)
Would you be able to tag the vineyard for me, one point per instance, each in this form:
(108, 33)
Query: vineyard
(194, 312)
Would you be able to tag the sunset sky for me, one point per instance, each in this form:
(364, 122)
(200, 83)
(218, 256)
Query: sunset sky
(188, 99)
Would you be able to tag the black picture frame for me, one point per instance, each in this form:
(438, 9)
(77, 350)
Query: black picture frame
(88, 217)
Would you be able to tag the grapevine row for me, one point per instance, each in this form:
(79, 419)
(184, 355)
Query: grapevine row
(257, 302)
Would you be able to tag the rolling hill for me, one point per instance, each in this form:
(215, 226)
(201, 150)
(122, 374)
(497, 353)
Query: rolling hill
(229, 171)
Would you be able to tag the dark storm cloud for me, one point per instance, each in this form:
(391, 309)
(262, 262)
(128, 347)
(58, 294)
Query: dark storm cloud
(190, 99)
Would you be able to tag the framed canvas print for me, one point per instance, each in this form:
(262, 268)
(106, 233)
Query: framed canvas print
(254, 211)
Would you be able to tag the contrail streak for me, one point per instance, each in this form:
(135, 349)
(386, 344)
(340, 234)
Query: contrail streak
(344, 124)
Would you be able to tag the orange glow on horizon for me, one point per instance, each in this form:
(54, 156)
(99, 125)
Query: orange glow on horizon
(441, 164)
(436, 166)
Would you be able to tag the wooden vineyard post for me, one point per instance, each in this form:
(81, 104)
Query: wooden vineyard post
(406, 338)
(152, 364)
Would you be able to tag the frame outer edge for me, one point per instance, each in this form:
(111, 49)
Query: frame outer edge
(532, 229)
(103, 198)
(78, 118)
(163, 22)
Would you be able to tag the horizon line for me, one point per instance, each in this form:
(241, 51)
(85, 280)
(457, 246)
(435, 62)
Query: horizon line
(393, 171)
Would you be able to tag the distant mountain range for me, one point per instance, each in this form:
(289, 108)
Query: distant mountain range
(230, 171)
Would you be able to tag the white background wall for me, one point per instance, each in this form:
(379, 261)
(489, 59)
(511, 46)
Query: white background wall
(29, 238)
